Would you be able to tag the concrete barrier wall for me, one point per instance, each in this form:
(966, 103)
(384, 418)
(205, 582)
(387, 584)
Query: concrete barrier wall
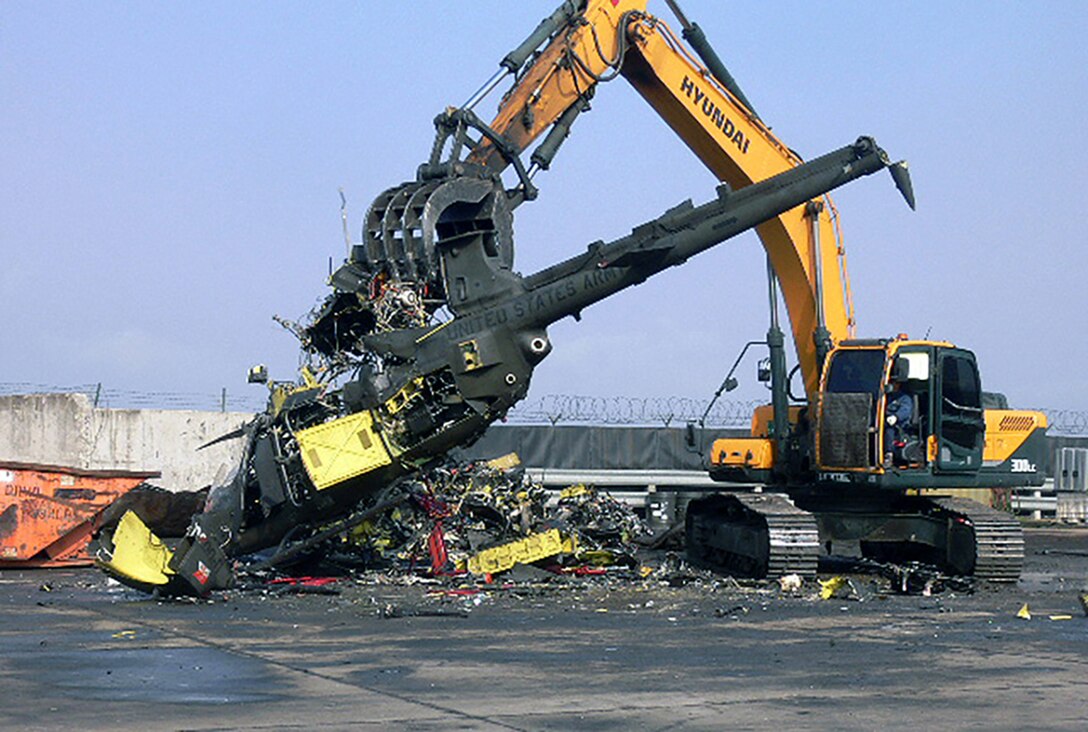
(66, 429)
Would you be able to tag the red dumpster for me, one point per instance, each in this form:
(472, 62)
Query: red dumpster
(48, 512)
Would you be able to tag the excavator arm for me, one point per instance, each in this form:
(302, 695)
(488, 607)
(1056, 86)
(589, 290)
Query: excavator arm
(597, 41)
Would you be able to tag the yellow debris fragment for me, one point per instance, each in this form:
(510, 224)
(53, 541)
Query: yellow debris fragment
(829, 587)
(344, 448)
(1024, 613)
(137, 554)
(1061, 617)
(573, 491)
(531, 549)
(505, 462)
(598, 558)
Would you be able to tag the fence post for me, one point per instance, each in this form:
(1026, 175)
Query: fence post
(223, 401)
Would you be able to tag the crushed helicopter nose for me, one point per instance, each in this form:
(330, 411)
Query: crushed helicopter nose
(135, 557)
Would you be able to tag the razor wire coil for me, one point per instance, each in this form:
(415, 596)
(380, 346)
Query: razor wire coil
(618, 410)
(1067, 421)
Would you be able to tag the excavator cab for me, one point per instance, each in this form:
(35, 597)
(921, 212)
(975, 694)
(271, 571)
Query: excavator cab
(894, 413)
(905, 414)
(899, 410)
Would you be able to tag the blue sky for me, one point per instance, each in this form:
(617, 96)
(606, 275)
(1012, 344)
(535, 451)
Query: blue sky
(169, 176)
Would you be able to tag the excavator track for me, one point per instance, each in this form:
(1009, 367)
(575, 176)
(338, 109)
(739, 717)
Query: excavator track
(998, 540)
(752, 534)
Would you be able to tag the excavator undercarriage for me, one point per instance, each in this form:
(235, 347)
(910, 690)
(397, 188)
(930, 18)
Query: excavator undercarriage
(768, 535)
(752, 535)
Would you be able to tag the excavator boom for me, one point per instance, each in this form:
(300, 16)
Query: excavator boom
(601, 40)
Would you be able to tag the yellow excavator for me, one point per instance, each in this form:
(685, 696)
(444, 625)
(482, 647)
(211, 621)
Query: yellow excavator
(429, 336)
(891, 435)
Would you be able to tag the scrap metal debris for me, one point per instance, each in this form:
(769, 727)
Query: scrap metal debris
(390, 611)
(915, 578)
(790, 582)
(480, 530)
(905, 578)
(479, 519)
(305, 585)
(473, 532)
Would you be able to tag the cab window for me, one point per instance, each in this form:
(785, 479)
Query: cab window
(856, 372)
(959, 381)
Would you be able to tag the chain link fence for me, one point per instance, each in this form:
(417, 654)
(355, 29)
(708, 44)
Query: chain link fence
(550, 409)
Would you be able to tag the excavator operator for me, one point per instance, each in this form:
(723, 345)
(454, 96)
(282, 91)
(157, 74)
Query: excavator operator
(898, 410)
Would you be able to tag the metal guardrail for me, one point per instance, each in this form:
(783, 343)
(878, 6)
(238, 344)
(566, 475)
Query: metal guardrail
(1041, 500)
(674, 411)
(648, 479)
(641, 488)
(1031, 504)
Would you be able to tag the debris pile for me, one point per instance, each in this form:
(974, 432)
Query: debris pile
(467, 529)
(486, 518)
